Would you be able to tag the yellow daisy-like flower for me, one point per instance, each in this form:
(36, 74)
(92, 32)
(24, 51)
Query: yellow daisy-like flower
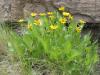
(63, 20)
(37, 22)
(78, 29)
(29, 26)
(42, 14)
(33, 14)
(53, 27)
(21, 20)
(62, 8)
(50, 13)
(82, 22)
(66, 14)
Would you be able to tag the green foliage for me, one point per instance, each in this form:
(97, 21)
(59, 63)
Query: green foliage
(52, 41)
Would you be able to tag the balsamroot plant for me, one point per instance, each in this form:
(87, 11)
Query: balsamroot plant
(47, 38)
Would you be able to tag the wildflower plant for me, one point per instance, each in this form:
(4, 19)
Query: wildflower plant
(48, 38)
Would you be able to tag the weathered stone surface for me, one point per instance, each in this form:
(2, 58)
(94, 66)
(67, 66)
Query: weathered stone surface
(1, 9)
(5, 10)
(15, 9)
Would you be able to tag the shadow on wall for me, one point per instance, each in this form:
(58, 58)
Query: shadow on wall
(94, 28)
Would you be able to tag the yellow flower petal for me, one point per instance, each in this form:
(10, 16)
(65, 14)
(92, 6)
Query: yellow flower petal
(21, 20)
(29, 26)
(63, 20)
(42, 14)
(78, 29)
(82, 21)
(33, 14)
(50, 13)
(53, 27)
(66, 14)
(62, 8)
(37, 22)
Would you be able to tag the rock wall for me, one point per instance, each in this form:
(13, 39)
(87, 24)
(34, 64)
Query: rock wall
(5, 10)
(15, 9)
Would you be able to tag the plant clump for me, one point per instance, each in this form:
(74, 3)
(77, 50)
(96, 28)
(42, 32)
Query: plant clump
(47, 38)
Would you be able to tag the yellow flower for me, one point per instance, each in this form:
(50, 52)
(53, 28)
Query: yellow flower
(82, 22)
(62, 8)
(78, 29)
(66, 14)
(29, 26)
(50, 13)
(21, 20)
(33, 14)
(42, 14)
(37, 22)
(63, 20)
(53, 27)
